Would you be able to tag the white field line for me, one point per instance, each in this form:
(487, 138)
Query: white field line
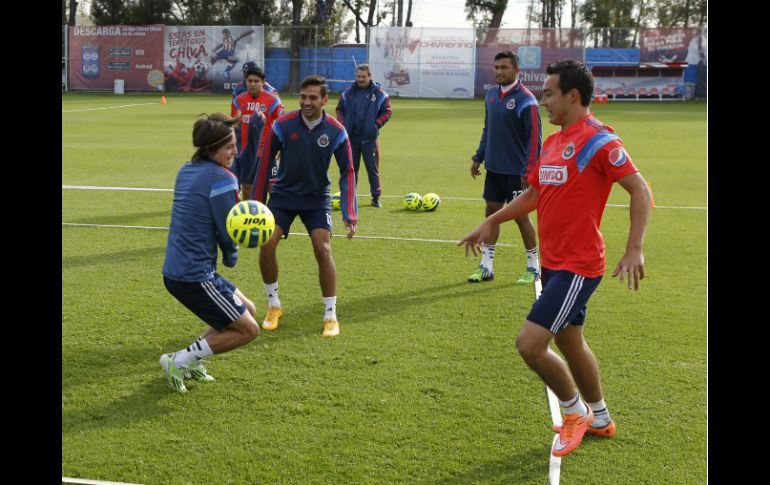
(142, 189)
(108, 107)
(86, 481)
(554, 462)
(381, 238)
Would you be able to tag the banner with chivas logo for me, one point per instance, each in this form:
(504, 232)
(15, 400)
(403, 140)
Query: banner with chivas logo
(209, 58)
(101, 54)
(423, 62)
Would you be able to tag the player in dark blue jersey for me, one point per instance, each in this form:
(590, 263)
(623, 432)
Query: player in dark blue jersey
(204, 192)
(509, 148)
(364, 108)
(306, 140)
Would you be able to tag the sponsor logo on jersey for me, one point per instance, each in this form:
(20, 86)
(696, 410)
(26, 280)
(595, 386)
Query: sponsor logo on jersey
(550, 175)
(568, 152)
(294, 137)
(618, 156)
(323, 141)
(510, 104)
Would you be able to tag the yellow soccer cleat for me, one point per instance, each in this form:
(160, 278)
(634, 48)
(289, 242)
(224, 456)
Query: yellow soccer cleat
(274, 314)
(331, 327)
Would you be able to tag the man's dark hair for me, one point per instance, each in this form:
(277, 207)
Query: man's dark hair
(254, 71)
(314, 80)
(573, 75)
(508, 55)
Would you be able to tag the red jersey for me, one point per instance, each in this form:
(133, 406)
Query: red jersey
(574, 176)
(269, 104)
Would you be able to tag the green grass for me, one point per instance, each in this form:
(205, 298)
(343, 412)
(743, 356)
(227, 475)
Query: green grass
(424, 384)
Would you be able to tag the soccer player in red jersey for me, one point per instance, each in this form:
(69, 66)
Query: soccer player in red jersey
(254, 99)
(569, 187)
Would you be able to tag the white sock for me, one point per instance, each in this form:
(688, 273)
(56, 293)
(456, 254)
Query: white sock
(192, 354)
(601, 414)
(574, 405)
(532, 261)
(271, 290)
(330, 305)
(487, 255)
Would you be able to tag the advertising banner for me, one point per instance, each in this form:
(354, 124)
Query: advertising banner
(423, 62)
(666, 45)
(100, 55)
(209, 58)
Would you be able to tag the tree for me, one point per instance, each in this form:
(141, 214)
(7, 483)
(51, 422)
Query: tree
(486, 13)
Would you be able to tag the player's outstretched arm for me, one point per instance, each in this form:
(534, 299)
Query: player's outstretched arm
(521, 205)
(631, 265)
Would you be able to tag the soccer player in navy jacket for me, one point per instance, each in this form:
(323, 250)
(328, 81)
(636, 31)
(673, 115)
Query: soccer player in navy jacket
(204, 192)
(306, 140)
(364, 108)
(509, 148)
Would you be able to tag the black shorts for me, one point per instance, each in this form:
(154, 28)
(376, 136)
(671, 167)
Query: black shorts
(499, 187)
(214, 301)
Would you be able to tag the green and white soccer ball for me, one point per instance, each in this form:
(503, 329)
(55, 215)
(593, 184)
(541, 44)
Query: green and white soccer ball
(250, 223)
(413, 201)
(430, 202)
(336, 203)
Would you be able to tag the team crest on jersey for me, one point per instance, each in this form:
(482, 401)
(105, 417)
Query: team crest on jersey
(618, 156)
(323, 141)
(510, 104)
(261, 107)
(552, 175)
(568, 152)
(374, 98)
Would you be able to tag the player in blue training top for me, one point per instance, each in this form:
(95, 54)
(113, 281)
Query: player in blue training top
(509, 148)
(306, 139)
(364, 108)
(204, 192)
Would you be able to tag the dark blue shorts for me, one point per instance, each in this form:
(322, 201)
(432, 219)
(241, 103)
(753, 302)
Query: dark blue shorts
(563, 300)
(499, 187)
(312, 219)
(213, 301)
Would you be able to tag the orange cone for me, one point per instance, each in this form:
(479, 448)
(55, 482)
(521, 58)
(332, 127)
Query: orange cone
(162, 100)
(652, 198)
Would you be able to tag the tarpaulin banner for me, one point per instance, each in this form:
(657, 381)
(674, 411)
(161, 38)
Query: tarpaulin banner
(100, 55)
(209, 58)
(423, 62)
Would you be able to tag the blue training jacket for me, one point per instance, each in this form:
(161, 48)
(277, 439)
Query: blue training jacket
(364, 111)
(510, 142)
(303, 174)
(245, 164)
(203, 194)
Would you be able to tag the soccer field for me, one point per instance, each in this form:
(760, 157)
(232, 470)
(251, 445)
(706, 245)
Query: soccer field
(424, 384)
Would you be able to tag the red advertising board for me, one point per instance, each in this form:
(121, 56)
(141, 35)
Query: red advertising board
(101, 54)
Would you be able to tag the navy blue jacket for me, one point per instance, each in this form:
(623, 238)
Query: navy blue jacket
(303, 174)
(203, 194)
(364, 111)
(510, 142)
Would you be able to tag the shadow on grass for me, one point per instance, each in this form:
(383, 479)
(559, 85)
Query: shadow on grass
(124, 219)
(306, 319)
(527, 466)
(118, 257)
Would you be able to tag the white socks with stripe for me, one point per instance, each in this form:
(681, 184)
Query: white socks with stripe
(601, 414)
(574, 405)
(271, 290)
(532, 260)
(192, 354)
(330, 307)
(487, 255)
